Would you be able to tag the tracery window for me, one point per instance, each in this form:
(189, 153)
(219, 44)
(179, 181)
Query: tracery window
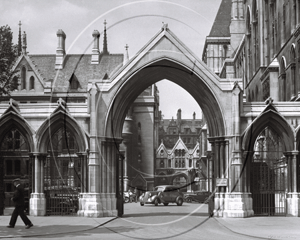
(23, 78)
(31, 82)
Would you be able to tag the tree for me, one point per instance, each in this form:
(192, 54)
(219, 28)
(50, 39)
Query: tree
(8, 55)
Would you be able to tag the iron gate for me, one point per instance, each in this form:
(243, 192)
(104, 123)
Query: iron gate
(62, 175)
(268, 176)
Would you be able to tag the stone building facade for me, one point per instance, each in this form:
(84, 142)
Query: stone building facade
(249, 97)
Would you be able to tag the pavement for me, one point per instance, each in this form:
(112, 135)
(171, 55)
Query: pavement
(253, 227)
(263, 227)
(48, 225)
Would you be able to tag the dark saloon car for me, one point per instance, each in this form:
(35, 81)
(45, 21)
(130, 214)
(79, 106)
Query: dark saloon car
(162, 194)
(201, 197)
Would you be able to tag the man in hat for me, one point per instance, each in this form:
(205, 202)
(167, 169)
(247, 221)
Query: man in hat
(18, 199)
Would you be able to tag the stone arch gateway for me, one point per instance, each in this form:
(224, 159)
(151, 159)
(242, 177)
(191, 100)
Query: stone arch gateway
(164, 57)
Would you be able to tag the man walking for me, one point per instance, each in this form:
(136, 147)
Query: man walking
(19, 201)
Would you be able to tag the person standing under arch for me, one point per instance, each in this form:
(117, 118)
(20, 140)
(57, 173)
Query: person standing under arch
(18, 199)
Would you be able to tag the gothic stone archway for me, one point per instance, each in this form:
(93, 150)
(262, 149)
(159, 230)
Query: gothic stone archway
(164, 57)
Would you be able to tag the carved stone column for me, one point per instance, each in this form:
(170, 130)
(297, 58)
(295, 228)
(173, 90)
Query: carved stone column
(293, 200)
(37, 198)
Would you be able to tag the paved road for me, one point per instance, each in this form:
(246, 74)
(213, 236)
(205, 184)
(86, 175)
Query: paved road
(189, 221)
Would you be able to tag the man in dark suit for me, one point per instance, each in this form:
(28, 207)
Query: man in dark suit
(19, 201)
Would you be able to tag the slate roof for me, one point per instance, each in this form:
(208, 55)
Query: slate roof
(80, 65)
(222, 21)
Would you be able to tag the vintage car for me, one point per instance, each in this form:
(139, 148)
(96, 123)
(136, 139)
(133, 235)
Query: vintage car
(162, 194)
(201, 197)
(126, 197)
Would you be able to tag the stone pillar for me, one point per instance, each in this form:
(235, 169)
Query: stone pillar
(293, 200)
(91, 201)
(84, 183)
(238, 201)
(37, 198)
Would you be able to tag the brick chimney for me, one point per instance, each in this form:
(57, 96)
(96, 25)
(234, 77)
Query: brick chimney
(95, 51)
(60, 51)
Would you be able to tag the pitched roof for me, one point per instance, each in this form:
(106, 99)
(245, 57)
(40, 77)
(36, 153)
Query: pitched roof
(80, 65)
(222, 21)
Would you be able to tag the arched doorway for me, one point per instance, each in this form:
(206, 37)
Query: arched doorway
(14, 163)
(268, 175)
(62, 174)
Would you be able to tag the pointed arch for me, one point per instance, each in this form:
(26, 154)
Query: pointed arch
(157, 69)
(268, 118)
(23, 77)
(12, 119)
(61, 119)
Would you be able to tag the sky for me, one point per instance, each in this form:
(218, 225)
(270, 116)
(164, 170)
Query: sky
(132, 22)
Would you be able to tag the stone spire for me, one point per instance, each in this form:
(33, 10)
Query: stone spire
(19, 42)
(105, 52)
(24, 45)
(126, 56)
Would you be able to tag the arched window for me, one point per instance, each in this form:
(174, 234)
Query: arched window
(162, 164)
(31, 83)
(293, 71)
(15, 83)
(256, 94)
(14, 152)
(282, 79)
(23, 78)
(62, 167)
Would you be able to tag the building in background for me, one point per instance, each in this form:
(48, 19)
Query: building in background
(181, 158)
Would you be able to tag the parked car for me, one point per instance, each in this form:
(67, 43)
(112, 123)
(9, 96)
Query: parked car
(162, 194)
(200, 197)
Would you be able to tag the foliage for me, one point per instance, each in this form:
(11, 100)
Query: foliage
(8, 55)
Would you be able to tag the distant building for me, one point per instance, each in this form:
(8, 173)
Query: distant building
(187, 129)
(181, 157)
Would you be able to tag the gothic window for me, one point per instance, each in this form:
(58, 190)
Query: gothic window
(176, 164)
(293, 71)
(139, 126)
(266, 89)
(256, 93)
(23, 78)
(31, 83)
(162, 165)
(14, 149)
(62, 167)
(183, 163)
(169, 163)
(282, 77)
(190, 163)
(74, 83)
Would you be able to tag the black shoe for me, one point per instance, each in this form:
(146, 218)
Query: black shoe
(9, 226)
(29, 226)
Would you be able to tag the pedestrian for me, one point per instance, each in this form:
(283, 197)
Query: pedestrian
(130, 195)
(18, 199)
(135, 193)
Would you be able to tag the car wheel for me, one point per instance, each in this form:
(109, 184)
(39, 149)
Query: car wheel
(126, 200)
(189, 200)
(166, 204)
(156, 202)
(141, 203)
(179, 201)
